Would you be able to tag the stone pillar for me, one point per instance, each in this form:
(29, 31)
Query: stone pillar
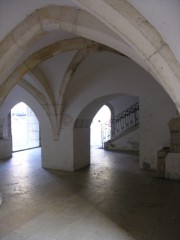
(172, 160)
(1, 135)
(0, 199)
(72, 150)
(1, 127)
(5, 139)
(161, 166)
(174, 127)
(9, 132)
(58, 154)
(82, 143)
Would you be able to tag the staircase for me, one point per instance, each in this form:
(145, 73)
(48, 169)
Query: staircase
(121, 125)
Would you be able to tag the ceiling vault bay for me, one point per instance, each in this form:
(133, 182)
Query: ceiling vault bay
(148, 49)
(46, 98)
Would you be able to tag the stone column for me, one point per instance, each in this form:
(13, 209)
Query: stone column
(174, 127)
(1, 137)
(1, 127)
(82, 143)
(161, 166)
(172, 160)
(58, 154)
(5, 139)
(0, 199)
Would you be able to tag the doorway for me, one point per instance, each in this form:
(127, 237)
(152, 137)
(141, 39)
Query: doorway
(101, 127)
(24, 128)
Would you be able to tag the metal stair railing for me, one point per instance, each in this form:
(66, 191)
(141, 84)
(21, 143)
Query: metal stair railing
(121, 124)
(106, 132)
(125, 121)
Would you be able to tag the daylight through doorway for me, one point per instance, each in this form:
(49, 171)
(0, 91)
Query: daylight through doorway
(101, 127)
(24, 128)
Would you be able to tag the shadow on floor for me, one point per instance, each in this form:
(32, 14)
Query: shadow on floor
(111, 199)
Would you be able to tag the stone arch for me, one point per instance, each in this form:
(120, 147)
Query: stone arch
(14, 98)
(39, 76)
(36, 93)
(111, 108)
(54, 111)
(40, 97)
(19, 100)
(82, 131)
(31, 63)
(19, 94)
(5, 112)
(40, 56)
(143, 38)
(45, 20)
(75, 62)
(135, 31)
(101, 126)
(24, 127)
(152, 98)
(36, 59)
(81, 139)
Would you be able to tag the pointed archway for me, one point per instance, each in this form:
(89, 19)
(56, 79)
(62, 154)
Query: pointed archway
(101, 127)
(24, 127)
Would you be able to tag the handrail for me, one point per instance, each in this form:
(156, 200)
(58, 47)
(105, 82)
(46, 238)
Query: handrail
(124, 121)
(121, 124)
(106, 132)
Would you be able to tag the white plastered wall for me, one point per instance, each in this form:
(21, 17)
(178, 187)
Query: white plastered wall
(156, 108)
(121, 103)
(55, 154)
(129, 141)
(124, 77)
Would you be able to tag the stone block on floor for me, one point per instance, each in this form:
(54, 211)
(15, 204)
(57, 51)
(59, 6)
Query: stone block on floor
(172, 169)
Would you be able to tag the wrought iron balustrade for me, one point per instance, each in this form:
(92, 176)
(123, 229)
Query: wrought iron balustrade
(125, 121)
(105, 132)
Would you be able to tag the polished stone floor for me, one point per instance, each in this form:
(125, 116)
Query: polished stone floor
(110, 200)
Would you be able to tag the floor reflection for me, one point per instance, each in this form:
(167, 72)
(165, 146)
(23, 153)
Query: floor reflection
(112, 199)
